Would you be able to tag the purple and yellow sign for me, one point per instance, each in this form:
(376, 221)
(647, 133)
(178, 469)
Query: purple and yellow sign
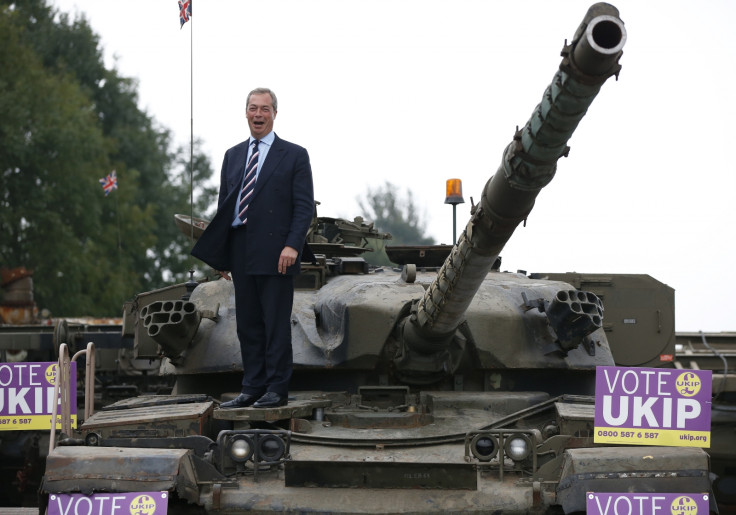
(652, 406)
(598, 503)
(131, 503)
(27, 395)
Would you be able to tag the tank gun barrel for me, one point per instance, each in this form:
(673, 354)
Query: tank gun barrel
(529, 164)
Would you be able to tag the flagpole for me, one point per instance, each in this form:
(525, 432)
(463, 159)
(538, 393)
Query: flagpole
(191, 123)
(117, 220)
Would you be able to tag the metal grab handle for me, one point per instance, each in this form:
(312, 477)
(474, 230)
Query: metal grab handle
(62, 387)
(89, 379)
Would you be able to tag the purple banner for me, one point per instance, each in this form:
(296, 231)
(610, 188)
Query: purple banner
(130, 503)
(653, 406)
(27, 395)
(646, 504)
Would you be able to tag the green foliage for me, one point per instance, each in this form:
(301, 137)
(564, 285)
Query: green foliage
(396, 214)
(67, 121)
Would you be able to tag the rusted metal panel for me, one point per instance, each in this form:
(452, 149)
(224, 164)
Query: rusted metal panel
(161, 421)
(269, 494)
(144, 415)
(113, 463)
(380, 475)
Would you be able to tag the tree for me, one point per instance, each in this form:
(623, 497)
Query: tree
(395, 214)
(51, 151)
(68, 121)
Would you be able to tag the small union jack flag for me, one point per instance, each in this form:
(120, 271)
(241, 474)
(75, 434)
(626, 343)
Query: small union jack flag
(109, 183)
(185, 11)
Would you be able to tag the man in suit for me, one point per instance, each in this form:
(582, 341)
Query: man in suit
(264, 210)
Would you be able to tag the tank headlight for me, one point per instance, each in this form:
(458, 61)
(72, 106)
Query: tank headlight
(484, 446)
(518, 447)
(270, 448)
(241, 448)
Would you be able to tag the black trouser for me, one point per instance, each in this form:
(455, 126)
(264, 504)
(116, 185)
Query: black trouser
(263, 310)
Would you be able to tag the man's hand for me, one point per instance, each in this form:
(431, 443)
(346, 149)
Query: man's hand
(224, 275)
(287, 258)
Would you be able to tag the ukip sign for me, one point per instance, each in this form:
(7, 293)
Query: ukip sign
(27, 395)
(646, 504)
(126, 503)
(652, 406)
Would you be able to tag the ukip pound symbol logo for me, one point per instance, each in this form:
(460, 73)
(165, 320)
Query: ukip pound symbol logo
(684, 505)
(688, 384)
(50, 374)
(143, 505)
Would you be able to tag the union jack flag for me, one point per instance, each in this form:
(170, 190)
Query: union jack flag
(109, 183)
(185, 11)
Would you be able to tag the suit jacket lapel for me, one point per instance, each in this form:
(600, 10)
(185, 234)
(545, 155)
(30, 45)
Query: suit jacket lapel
(273, 158)
(235, 173)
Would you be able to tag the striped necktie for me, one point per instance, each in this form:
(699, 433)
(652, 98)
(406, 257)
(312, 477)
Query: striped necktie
(249, 184)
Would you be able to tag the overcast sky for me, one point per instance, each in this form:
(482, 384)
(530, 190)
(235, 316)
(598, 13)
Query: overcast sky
(418, 91)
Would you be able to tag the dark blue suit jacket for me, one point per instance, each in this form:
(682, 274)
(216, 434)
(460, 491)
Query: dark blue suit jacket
(279, 214)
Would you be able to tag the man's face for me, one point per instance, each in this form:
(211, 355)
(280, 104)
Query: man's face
(260, 114)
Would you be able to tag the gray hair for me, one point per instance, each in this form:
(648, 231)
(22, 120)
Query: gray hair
(263, 91)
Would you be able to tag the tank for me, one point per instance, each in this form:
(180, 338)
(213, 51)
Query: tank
(440, 386)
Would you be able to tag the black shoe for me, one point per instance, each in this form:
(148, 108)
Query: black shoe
(270, 400)
(241, 401)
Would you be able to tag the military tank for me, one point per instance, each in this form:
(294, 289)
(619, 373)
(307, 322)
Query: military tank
(440, 386)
